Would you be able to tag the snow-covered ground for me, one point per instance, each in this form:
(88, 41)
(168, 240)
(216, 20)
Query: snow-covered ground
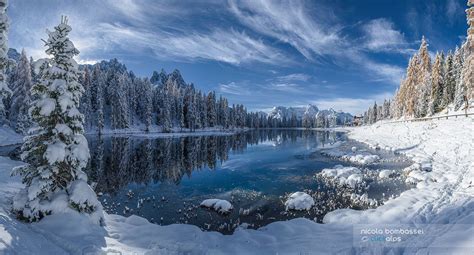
(442, 204)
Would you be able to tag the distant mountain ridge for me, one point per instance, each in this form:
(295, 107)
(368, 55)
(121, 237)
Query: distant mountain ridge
(308, 116)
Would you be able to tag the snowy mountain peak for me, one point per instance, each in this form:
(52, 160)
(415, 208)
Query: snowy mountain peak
(309, 114)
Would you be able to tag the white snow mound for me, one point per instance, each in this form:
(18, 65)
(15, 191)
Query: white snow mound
(385, 174)
(219, 205)
(361, 159)
(350, 176)
(299, 201)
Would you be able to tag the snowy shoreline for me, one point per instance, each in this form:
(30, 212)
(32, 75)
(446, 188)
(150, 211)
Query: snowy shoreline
(443, 196)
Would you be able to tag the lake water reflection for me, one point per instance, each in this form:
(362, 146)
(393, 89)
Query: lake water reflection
(165, 179)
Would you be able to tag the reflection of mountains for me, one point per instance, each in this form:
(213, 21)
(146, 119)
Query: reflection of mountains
(117, 161)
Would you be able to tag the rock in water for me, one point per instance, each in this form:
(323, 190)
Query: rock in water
(299, 201)
(219, 205)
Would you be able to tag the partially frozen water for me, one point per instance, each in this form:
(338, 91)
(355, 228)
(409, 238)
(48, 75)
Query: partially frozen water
(165, 179)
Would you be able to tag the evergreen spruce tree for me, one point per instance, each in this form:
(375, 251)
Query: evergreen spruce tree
(423, 84)
(148, 104)
(5, 91)
(437, 84)
(468, 68)
(374, 113)
(98, 83)
(57, 150)
(119, 103)
(19, 117)
(85, 106)
(165, 114)
(211, 109)
(449, 81)
(460, 86)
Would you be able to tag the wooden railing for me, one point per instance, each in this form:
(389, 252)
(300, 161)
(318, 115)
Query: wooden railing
(432, 118)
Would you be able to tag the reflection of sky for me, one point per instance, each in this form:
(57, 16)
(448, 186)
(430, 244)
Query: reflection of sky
(266, 167)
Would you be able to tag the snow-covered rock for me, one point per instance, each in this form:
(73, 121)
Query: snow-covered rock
(361, 158)
(299, 201)
(219, 205)
(385, 174)
(349, 176)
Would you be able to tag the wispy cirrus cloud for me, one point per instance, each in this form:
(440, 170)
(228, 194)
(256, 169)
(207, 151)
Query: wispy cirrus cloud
(320, 36)
(294, 77)
(163, 28)
(232, 88)
(229, 46)
(381, 35)
(289, 22)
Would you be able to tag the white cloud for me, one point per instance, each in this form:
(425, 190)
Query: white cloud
(381, 35)
(228, 46)
(294, 77)
(233, 89)
(387, 72)
(453, 10)
(289, 22)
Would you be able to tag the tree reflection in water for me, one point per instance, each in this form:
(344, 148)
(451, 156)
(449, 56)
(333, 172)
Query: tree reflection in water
(117, 161)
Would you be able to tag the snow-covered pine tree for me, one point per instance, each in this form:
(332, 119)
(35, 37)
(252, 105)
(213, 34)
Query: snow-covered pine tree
(98, 83)
(204, 110)
(407, 95)
(386, 109)
(437, 84)
(449, 81)
(132, 98)
(468, 68)
(211, 109)
(119, 103)
(189, 109)
(148, 104)
(423, 85)
(85, 106)
(57, 150)
(374, 113)
(225, 115)
(5, 92)
(165, 114)
(460, 86)
(19, 117)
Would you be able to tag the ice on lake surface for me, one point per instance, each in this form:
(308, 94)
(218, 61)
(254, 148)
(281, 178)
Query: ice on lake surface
(166, 179)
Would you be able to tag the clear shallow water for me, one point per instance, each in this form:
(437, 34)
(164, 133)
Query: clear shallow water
(165, 179)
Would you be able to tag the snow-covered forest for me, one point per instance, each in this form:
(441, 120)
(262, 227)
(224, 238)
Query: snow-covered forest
(116, 99)
(430, 87)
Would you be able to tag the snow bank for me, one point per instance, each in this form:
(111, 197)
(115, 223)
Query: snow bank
(443, 173)
(219, 205)
(299, 201)
(349, 176)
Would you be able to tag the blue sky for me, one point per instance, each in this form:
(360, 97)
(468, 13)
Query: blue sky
(333, 53)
